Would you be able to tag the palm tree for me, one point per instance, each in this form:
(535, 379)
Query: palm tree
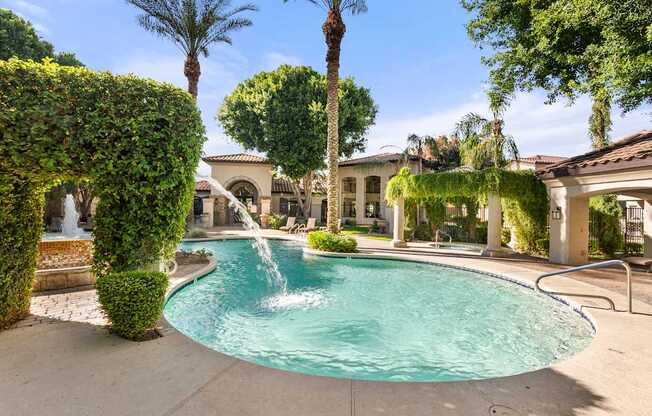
(334, 30)
(193, 25)
(484, 142)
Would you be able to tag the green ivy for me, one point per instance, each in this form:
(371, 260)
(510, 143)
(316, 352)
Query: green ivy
(138, 141)
(133, 301)
(525, 196)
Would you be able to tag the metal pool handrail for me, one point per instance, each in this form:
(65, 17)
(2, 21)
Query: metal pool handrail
(599, 265)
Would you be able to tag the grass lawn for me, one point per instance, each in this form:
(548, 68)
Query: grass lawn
(379, 237)
(364, 231)
(350, 230)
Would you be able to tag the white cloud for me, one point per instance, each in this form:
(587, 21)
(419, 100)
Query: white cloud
(538, 128)
(29, 8)
(31, 13)
(273, 60)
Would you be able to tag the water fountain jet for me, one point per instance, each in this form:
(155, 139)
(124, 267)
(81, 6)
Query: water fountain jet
(260, 244)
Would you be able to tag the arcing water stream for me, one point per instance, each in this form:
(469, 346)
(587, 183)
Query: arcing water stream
(259, 243)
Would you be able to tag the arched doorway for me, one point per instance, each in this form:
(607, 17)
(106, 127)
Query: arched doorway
(247, 194)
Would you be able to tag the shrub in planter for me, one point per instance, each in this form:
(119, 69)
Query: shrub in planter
(325, 241)
(276, 221)
(133, 301)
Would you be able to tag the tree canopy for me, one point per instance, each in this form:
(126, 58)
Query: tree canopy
(568, 47)
(18, 39)
(283, 114)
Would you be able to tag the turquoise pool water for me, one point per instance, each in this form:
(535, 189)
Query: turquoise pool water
(373, 319)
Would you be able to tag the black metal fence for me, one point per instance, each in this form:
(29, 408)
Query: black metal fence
(631, 228)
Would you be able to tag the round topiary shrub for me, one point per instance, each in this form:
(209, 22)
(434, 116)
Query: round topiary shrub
(133, 301)
(325, 241)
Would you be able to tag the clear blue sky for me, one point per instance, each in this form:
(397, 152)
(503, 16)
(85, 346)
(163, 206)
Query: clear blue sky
(422, 70)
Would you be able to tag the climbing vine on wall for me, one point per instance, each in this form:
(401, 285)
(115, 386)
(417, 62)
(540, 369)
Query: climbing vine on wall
(138, 141)
(525, 198)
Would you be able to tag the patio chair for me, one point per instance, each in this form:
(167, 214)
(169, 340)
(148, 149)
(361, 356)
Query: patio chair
(290, 225)
(310, 226)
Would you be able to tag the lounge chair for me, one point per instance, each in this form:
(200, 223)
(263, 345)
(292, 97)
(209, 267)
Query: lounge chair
(645, 262)
(310, 226)
(290, 225)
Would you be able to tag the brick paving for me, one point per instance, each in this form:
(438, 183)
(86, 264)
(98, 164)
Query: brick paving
(64, 306)
(75, 305)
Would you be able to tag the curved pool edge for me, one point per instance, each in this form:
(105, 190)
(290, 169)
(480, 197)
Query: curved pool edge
(574, 384)
(576, 307)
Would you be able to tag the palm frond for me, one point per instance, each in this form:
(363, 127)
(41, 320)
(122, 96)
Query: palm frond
(193, 24)
(353, 6)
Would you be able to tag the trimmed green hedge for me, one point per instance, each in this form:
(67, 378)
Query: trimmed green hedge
(133, 301)
(138, 141)
(335, 243)
(21, 222)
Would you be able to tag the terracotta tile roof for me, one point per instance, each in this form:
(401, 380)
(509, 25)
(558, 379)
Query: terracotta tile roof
(283, 186)
(236, 158)
(542, 159)
(379, 158)
(632, 151)
(202, 186)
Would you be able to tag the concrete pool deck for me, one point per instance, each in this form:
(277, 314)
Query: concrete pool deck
(77, 368)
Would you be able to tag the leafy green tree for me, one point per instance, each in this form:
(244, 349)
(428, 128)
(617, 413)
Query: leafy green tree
(283, 113)
(18, 39)
(334, 30)
(193, 25)
(568, 47)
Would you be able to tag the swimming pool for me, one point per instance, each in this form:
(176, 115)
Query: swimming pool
(370, 319)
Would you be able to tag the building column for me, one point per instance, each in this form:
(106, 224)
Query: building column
(399, 224)
(265, 210)
(221, 211)
(209, 210)
(647, 228)
(569, 229)
(494, 224)
(360, 185)
(383, 205)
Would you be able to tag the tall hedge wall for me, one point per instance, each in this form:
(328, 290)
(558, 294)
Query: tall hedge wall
(138, 141)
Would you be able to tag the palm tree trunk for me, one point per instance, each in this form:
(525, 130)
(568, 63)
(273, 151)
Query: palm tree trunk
(192, 71)
(334, 30)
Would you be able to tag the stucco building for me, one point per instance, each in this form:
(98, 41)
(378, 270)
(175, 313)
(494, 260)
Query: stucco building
(624, 168)
(253, 181)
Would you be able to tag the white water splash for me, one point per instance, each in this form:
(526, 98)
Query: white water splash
(259, 243)
(71, 218)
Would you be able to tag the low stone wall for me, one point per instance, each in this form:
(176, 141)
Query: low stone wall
(56, 254)
(66, 278)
